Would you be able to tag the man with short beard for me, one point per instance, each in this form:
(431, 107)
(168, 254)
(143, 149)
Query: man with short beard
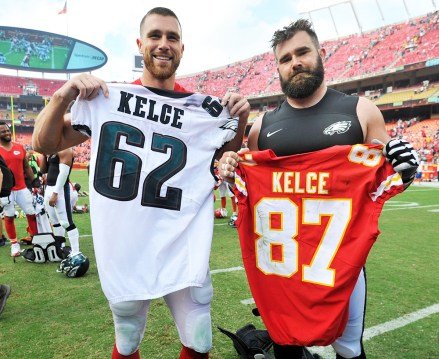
(14, 155)
(314, 117)
(152, 227)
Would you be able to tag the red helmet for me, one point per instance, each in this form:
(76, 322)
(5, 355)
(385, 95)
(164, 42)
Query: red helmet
(221, 213)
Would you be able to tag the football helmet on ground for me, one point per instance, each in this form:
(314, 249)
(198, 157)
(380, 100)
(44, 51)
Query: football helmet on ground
(74, 265)
(221, 213)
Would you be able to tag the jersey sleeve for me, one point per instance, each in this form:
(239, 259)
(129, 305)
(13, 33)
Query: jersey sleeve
(227, 130)
(81, 117)
(387, 184)
(214, 120)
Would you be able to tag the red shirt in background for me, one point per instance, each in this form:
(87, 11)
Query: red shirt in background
(14, 159)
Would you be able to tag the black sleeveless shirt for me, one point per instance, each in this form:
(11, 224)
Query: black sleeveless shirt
(53, 170)
(333, 121)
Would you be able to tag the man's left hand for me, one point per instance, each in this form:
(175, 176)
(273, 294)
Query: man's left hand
(403, 158)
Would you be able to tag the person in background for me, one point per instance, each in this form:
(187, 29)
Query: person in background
(75, 189)
(57, 197)
(14, 155)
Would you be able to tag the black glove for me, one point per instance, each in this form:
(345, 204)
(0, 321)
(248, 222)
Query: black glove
(404, 159)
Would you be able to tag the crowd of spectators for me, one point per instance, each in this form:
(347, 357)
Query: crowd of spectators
(356, 55)
(424, 135)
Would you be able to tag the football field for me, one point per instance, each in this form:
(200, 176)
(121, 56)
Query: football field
(51, 316)
(56, 58)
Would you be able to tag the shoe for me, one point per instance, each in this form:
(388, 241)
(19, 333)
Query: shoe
(15, 249)
(5, 290)
(2, 241)
(232, 220)
(26, 241)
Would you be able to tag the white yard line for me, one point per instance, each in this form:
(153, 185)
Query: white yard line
(225, 270)
(409, 207)
(369, 333)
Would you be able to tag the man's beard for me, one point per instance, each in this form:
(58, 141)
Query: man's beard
(301, 86)
(161, 73)
(6, 139)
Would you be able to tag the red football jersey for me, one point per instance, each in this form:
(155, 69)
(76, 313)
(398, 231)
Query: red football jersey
(14, 159)
(306, 224)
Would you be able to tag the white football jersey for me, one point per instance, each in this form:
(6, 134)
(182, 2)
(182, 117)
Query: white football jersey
(151, 183)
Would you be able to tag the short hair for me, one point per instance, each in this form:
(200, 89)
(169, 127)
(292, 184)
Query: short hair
(163, 11)
(292, 29)
(77, 187)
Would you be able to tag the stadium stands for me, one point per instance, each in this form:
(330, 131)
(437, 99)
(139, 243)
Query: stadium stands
(423, 135)
(376, 52)
(356, 55)
(13, 85)
(411, 94)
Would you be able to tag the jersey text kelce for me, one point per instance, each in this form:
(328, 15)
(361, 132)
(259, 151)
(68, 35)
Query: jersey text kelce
(151, 186)
(306, 224)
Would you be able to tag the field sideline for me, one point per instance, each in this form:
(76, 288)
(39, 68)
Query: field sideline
(51, 316)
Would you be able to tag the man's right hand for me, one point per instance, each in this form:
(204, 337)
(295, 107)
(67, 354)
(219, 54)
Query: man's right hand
(228, 163)
(53, 198)
(85, 86)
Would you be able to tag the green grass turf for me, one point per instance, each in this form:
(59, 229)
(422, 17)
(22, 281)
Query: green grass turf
(51, 316)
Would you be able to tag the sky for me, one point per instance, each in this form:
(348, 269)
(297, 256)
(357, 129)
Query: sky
(215, 33)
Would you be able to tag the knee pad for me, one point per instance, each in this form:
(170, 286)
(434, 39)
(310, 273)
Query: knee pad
(198, 331)
(29, 208)
(29, 211)
(9, 210)
(126, 309)
(129, 325)
(198, 322)
(202, 295)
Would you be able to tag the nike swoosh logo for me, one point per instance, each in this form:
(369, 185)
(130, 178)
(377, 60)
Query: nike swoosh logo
(272, 133)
